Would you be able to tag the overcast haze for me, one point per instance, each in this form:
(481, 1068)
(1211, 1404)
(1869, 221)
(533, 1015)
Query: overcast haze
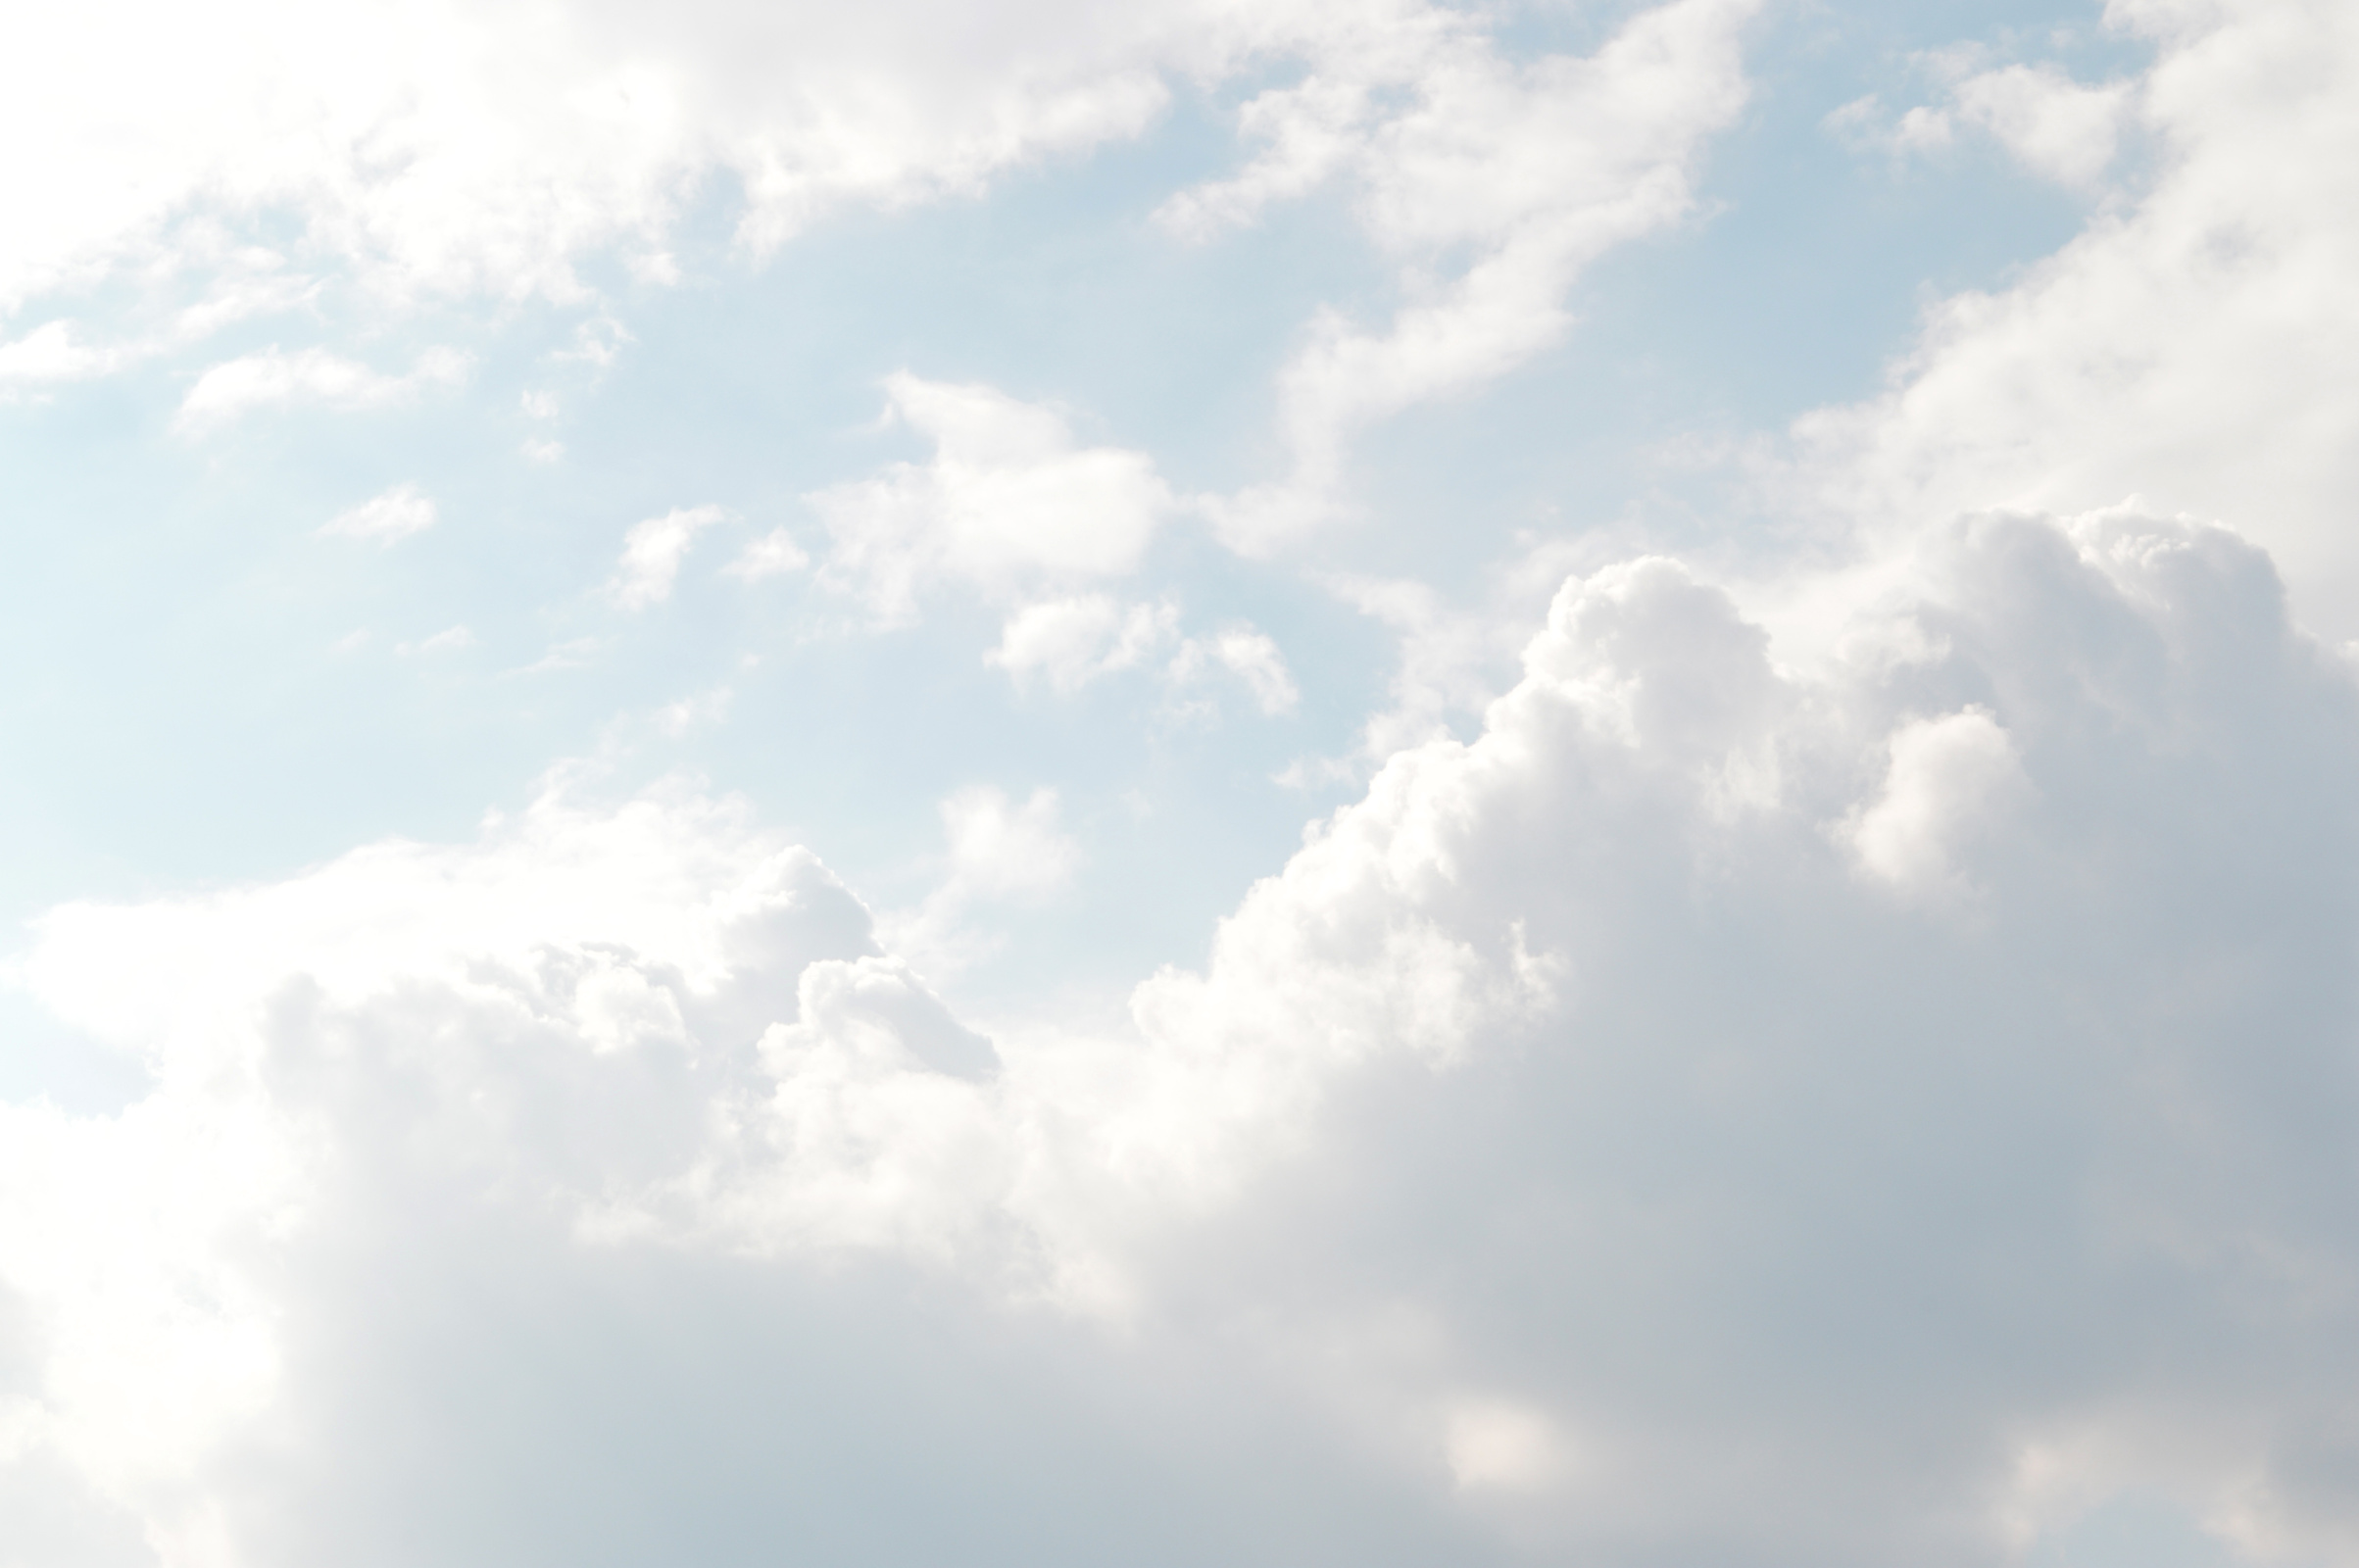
(1190, 783)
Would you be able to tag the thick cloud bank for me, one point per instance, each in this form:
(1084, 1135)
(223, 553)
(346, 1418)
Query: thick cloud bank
(1722, 1114)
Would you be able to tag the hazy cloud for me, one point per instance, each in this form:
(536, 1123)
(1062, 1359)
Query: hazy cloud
(397, 514)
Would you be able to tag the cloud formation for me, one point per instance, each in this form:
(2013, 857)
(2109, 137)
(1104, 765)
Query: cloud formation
(1010, 505)
(1489, 183)
(2187, 347)
(653, 551)
(1717, 1113)
(273, 378)
(397, 514)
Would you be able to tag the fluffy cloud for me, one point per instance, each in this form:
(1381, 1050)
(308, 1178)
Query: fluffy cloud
(1000, 853)
(2190, 346)
(52, 353)
(1948, 775)
(2061, 128)
(1722, 1111)
(652, 554)
(483, 148)
(443, 149)
(1489, 183)
(774, 555)
(397, 514)
(274, 378)
(1073, 641)
(1010, 505)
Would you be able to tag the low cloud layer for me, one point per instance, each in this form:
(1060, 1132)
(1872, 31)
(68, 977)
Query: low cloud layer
(1812, 1024)
(1720, 1113)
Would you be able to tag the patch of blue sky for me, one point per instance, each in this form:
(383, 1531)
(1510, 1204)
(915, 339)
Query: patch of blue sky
(251, 697)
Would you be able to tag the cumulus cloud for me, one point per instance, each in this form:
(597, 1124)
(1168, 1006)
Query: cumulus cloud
(653, 551)
(2189, 348)
(273, 378)
(53, 353)
(1073, 641)
(1010, 505)
(1587, 1146)
(399, 512)
(1948, 775)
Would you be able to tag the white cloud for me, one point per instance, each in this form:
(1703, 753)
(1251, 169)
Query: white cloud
(55, 352)
(1948, 776)
(441, 149)
(1252, 657)
(2057, 126)
(1530, 171)
(699, 711)
(1498, 1445)
(2190, 346)
(452, 148)
(449, 640)
(399, 512)
(1570, 1141)
(573, 653)
(51, 353)
(1073, 641)
(2062, 129)
(273, 378)
(1009, 504)
(1001, 851)
(652, 554)
(1000, 855)
(774, 555)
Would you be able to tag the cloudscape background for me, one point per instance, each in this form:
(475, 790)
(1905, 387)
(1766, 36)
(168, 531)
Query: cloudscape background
(1190, 783)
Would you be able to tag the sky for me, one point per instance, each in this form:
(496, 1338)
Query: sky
(1348, 782)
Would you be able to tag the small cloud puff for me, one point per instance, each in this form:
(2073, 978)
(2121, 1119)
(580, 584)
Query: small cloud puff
(2059, 128)
(52, 353)
(450, 640)
(1252, 657)
(1073, 641)
(274, 378)
(1008, 504)
(652, 554)
(399, 512)
(774, 555)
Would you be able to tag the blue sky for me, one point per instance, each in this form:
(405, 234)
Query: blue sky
(1297, 783)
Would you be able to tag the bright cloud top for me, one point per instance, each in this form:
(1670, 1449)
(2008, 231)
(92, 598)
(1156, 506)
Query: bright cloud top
(1671, 906)
(1811, 1018)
